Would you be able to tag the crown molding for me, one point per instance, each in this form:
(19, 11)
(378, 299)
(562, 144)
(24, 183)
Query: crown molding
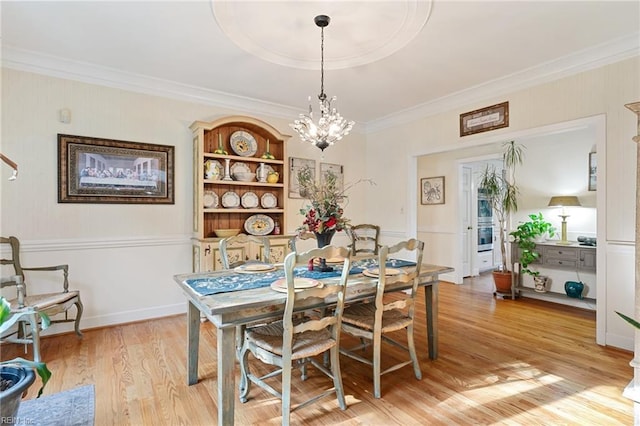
(581, 61)
(53, 66)
(595, 57)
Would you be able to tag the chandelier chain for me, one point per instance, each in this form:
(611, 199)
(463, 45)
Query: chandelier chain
(322, 95)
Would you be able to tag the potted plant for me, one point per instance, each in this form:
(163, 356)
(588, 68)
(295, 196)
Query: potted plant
(17, 375)
(501, 191)
(526, 235)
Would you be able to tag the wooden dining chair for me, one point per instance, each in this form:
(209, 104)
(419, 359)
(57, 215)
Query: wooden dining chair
(373, 321)
(52, 304)
(233, 249)
(299, 339)
(364, 239)
(293, 241)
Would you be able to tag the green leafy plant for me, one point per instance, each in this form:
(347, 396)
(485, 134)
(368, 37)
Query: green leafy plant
(500, 189)
(630, 320)
(525, 236)
(324, 211)
(9, 319)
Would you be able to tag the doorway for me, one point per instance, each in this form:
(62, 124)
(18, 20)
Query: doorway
(478, 227)
(444, 160)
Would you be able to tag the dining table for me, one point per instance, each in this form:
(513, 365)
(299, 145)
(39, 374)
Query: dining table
(233, 298)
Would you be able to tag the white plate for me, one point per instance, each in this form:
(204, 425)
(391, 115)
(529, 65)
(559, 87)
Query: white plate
(269, 201)
(255, 268)
(243, 143)
(299, 284)
(375, 272)
(210, 199)
(259, 224)
(240, 167)
(249, 200)
(211, 165)
(230, 200)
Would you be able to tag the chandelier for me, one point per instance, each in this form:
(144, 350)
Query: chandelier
(331, 126)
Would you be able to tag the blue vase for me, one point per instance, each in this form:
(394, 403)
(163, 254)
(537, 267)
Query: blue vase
(324, 238)
(574, 289)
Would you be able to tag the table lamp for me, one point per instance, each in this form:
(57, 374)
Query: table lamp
(564, 201)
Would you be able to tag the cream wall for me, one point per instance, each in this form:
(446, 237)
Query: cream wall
(588, 95)
(122, 257)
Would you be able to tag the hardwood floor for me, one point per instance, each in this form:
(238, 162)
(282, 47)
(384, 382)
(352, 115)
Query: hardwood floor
(520, 362)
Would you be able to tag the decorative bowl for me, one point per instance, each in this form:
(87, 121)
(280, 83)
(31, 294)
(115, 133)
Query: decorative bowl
(244, 176)
(224, 233)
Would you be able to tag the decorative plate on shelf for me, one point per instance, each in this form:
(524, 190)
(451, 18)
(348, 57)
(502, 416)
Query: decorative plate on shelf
(259, 224)
(230, 200)
(210, 200)
(249, 200)
(240, 167)
(269, 201)
(243, 143)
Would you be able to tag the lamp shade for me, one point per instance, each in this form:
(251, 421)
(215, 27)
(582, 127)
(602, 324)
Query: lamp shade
(564, 201)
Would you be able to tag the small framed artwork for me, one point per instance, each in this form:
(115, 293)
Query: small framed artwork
(337, 170)
(94, 170)
(295, 164)
(484, 119)
(593, 171)
(432, 190)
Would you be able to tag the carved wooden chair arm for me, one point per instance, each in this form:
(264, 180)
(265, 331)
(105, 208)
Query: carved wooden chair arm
(20, 289)
(63, 268)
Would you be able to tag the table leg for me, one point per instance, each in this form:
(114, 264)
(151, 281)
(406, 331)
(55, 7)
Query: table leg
(431, 308)
(226, 375)
(193, 343)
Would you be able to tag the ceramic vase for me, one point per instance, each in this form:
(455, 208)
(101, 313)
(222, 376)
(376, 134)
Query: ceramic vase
(540, 283)
(574, 289)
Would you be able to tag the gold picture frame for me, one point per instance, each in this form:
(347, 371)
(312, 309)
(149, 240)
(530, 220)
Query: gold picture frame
(484, 119)
(95, 170)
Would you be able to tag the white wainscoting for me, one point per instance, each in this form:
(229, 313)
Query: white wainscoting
(120, 279)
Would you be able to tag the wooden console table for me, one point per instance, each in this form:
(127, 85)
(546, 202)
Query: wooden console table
(572, 256)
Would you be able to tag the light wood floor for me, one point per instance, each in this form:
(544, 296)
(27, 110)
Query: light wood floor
(505, 362)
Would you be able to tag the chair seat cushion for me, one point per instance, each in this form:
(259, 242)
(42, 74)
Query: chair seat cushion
(41, 302)
(363, 315)
(309, 343)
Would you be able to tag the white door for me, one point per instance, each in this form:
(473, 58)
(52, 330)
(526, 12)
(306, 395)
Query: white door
(466, 211)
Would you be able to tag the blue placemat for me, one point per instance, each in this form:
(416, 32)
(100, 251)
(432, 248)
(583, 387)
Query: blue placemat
(237, 281)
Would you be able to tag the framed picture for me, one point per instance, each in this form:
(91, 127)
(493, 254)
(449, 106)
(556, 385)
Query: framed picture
(93, 170)
(484, 119)
(593, 171)
(295, 164)
(432, 190)
(338, 172)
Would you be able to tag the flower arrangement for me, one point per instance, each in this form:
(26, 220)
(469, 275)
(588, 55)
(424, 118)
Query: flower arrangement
(324, 213)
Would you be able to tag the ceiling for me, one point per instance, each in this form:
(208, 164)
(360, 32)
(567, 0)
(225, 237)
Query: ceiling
(383, 60)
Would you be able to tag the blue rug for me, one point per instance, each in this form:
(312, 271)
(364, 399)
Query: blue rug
(75, 407)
